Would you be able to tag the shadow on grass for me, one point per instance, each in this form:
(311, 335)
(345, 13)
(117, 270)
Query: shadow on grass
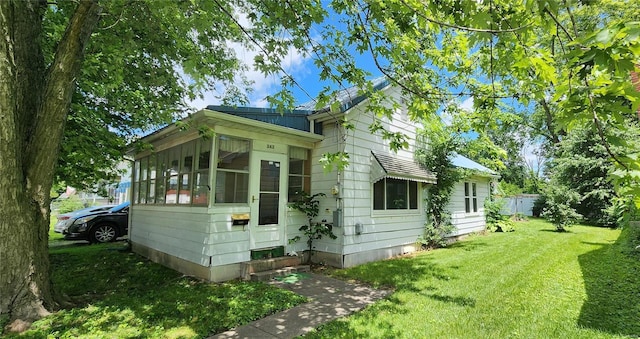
(556, 231)
(467, 245)
(119, 294)
(416, 275)
(399, 274)
(612, 277)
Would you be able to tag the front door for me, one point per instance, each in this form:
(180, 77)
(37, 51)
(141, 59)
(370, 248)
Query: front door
(268, 199)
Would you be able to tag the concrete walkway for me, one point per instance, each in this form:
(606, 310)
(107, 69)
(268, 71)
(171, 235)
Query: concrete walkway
(329, 299)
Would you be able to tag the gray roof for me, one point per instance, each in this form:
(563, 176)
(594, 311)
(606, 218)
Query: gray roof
(347, 97)
(392, 166)
(464, 162)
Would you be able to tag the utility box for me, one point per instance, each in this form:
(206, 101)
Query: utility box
(337, 218)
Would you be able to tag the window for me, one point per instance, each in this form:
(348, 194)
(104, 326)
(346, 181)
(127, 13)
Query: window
(232, 174)
(186, 167)
(143, 180)
(299, 171)
(174, 176)
(136, 182)
(201, 186)
(151, 197)
(395, 194)
(161, 170)
(171, 176)
(470, 197)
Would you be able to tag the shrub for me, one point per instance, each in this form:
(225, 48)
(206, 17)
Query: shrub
(308, 205)
(505, 225)
(69, 204)
(559, 207)
(435, 234)
(492, 210)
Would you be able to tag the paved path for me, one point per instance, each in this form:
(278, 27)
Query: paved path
(330, 299)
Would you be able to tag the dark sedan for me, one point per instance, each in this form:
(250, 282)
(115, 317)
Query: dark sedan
(101, 228)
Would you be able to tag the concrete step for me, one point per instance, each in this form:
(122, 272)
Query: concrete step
(271, 274)
(255, 266)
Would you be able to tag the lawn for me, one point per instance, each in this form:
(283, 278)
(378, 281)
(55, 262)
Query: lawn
(532, 283)
(113, 293)
(53, 236)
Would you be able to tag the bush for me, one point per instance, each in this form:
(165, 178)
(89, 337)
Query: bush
(492, 210)
(560, 206)
(309, 205)
(70, 204)
(435, 234)
(505, 225)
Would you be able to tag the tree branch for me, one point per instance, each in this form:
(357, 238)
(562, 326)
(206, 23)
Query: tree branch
(546, 9)
(464, 28)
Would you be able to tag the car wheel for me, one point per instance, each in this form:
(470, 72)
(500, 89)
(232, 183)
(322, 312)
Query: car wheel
(103, 233)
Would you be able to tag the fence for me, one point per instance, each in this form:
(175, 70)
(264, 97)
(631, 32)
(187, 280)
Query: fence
(521, 203)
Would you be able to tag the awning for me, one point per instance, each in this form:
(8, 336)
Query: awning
(392, 166)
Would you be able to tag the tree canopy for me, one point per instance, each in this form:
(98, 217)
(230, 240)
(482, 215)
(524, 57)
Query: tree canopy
(80, 78)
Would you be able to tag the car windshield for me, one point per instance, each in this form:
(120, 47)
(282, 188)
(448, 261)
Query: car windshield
(120, 207)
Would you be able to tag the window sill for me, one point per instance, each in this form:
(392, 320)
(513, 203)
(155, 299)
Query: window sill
(395, 213)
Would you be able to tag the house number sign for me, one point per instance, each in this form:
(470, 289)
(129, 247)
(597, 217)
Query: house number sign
(267, 146)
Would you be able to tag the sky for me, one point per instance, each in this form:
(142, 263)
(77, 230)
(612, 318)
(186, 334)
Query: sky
(301, 67)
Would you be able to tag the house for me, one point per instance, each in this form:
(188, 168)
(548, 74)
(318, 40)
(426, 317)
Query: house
(204, 206)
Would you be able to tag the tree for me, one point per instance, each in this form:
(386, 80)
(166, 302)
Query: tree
(105, 69)
(134, 61)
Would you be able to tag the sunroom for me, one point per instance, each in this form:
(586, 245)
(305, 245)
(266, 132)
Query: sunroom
(212, 193)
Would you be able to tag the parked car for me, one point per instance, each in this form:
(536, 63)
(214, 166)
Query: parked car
(102, 227)
(66, 219)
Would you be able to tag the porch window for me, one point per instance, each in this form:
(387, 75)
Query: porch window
(171, 176)
(232, 175)
(186, 167)
(470, 197)
(151, 191)
(201, 186)
(179, 175)
(395, 194)
(299, 171)
(136, 182)
(161, 168)
(143, 180)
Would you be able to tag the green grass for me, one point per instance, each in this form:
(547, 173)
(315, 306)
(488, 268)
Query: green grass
(532, 283)
(53, 236)
(114, 293)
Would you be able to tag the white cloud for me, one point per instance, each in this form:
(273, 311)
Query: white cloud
(532, 154)
(467, 104)
(294, 64)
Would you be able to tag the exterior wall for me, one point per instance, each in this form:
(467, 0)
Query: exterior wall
(469, 222)
(384, 233)
(321, 182)
(201, 240)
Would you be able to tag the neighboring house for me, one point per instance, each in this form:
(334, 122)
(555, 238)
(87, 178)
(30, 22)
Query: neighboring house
(204, 206)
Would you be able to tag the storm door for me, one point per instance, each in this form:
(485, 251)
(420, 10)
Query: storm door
(268, 199)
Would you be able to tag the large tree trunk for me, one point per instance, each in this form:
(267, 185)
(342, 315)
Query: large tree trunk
(34, 101)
